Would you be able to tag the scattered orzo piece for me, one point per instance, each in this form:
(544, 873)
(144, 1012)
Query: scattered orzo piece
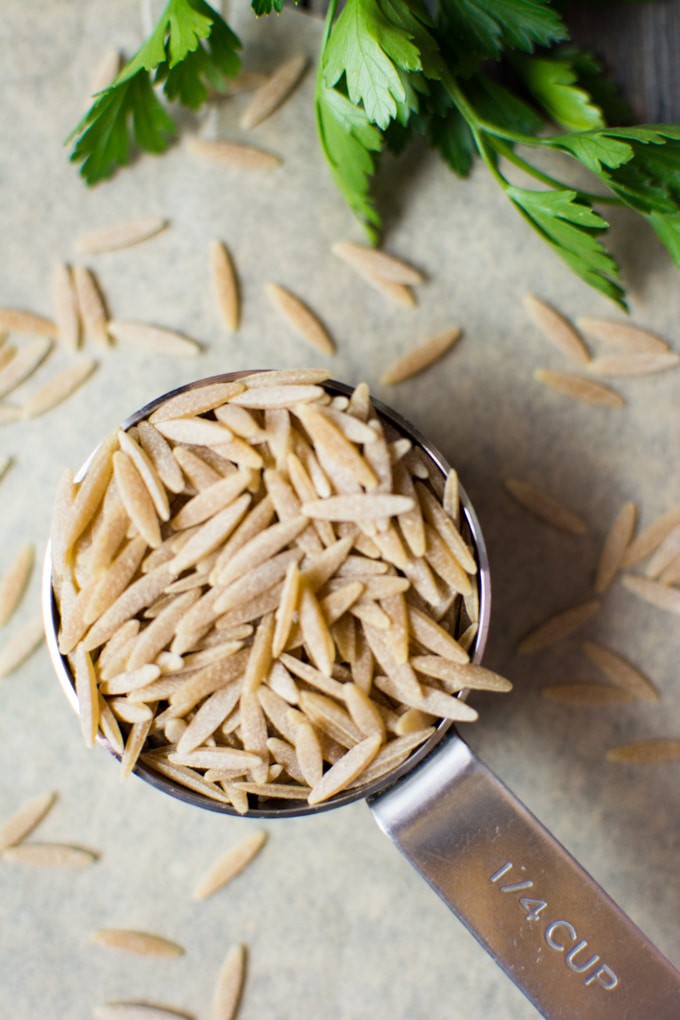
(14, 580)
(556, 328)
(665, 554)
(273, 92)
(663, 596)
(66, 311)
(650, 539)
(230, 865)
(229, 985)
(241, 157)
(140, 942)
(634, 364)
(135, 1010)
(257, 615)
(589, 695)
(120, 235)
(614, 547)
(646, 752)
(587, 391)
(398, 293)
(9, 413)
(16, 320)
(419, 358)
(7, 351)
(246, 80)
(23, 364)
(559, 626)
(545, 506)
(59, 387)
(21, 645)
(22, 823)
(93, 311)
(156, 338)
(619, 671)
(623, 335)
(301, 318)
(373, 264)
(225, 285)
(671, 573)
(51, 855)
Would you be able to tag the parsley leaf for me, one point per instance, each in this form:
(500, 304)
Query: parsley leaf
(571, 227)
(350, 143)
(364, 48)
(450, 134)
(178, 31)
(210, 63)
(261, 7)
(104, 133)
(487, 27)
(667, 229)
(641, 165)
(495, 103)
(553, 83)
(603, 90)
(190, 45)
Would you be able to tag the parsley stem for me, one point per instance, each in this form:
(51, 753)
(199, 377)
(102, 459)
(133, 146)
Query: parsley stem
(506, 150)
(501, 140)
(475, 125)
(328, 25)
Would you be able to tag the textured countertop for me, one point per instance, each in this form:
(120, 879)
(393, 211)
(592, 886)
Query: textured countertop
(338, 926)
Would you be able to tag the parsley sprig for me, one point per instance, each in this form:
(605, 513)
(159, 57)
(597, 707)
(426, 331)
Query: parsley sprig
(479, 79)
(190, 47)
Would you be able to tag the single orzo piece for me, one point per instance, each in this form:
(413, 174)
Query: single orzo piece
(545, 506)
(120, 235)
(51, 855)
(225, 285)
(557, 329)
(14, 580)
(25, 820)
(229, 985)
(614, 547)
(559, 626)
(419, 358)
(230, 865)
(301, 318)
(646, 752)
(21, 645)
(577, 387)
(139, 942)
(273, 92)
(240, 157)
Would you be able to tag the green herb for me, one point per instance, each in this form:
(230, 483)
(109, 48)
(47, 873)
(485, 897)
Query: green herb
(190, 47)
(479, 79)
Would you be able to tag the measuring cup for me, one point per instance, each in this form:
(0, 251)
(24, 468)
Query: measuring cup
(536, 911)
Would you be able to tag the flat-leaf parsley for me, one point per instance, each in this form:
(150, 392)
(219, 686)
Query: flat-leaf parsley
(479, 79)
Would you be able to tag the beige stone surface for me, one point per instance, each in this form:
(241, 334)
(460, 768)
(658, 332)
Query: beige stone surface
(338, 926)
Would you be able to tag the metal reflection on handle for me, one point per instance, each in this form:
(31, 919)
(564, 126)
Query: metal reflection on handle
(541, 916)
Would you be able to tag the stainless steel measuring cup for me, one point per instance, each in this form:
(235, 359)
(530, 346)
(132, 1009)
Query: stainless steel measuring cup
(542, 917)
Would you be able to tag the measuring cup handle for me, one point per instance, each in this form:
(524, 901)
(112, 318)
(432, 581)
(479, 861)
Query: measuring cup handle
(545, 921)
